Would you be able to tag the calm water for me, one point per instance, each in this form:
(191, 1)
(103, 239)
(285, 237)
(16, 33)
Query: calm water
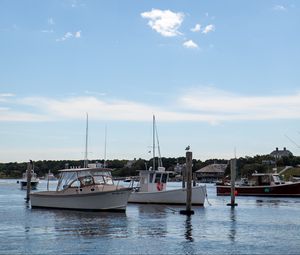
(256, 226)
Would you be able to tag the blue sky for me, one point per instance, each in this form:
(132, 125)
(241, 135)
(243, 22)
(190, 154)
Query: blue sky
(218, 75)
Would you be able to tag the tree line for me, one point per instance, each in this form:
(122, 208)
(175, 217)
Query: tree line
(245, 165)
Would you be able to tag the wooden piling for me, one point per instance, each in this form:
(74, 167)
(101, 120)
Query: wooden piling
(183, 177)
(233, 175)
(28, 171)
(188, 210)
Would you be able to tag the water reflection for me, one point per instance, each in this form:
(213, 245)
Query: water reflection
(188, 246)
(152, 220)
(232, 229)
(87, 224)
(188, 229)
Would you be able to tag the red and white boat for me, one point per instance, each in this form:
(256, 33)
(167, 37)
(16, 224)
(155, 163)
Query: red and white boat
(262, 184)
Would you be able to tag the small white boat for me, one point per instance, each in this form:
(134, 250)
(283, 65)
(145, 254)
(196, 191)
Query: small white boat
(33, 183)
(84, 189)
(153, 185)
(50, 177)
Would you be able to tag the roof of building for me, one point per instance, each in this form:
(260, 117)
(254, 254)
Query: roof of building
(281, 153)
(213, 168)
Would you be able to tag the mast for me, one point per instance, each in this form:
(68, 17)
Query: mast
(85, 165)
(153, 142)
(104, 164)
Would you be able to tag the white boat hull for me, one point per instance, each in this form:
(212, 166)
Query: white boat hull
(95, 201)
(33, 185)
(176, 196)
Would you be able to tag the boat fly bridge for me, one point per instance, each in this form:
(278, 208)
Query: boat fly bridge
(85, 180)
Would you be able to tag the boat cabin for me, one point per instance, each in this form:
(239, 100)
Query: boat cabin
(83, 177)
(265, 179)
(33, 175)
(153, 181)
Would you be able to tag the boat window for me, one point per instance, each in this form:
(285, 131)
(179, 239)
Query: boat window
(65, 180)
(164, 178)
(108, 180)
(151, 178)
(75, 184)
(264, 180)
(99, 179)
(87, 180)
(157, 177)
(276, 179)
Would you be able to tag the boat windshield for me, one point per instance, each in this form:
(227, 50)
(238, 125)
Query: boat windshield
(277, 179)
(83, 178)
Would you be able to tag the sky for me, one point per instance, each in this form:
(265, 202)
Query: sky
(220, 76)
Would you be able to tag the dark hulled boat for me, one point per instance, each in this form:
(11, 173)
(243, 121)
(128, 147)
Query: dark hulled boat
(266, 184)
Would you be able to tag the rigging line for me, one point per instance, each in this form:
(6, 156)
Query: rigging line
(158, 148)
(292, 141)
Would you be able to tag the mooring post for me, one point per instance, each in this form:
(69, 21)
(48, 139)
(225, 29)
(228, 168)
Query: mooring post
(183, 176)
(233, 174)
(194, 179)
(188, 210)
(28, 171)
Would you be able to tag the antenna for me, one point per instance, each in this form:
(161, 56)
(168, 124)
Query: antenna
(85, 165)
(104, 164)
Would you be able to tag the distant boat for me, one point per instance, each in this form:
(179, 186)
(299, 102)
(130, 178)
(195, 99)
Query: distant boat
(262, 184)
(84, 189)
(50, 176)
(153, 185)
(33, 183)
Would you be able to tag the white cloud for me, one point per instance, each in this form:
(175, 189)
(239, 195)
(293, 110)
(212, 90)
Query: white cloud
(51, 21)
(95, 93)
(164, 22)
(201, 104)
(69, 35)
(7, 114)
(190, 44)
(4, 97)
(279, 8)
(209, 28)
(7, 95)
(47, 31)
(197, 28)
(78, 34)
(223, 105)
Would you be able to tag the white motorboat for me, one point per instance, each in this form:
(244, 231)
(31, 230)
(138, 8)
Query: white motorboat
(88, 188)
(33, 183)
(84, 189)
(153, 185)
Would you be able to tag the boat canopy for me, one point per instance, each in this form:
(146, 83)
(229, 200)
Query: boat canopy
(260, 179)
(152, 181)
(78, 177)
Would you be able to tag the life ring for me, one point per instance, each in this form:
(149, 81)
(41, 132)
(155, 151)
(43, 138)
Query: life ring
(159, 186)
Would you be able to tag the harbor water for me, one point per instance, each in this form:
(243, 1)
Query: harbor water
(255, 226)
